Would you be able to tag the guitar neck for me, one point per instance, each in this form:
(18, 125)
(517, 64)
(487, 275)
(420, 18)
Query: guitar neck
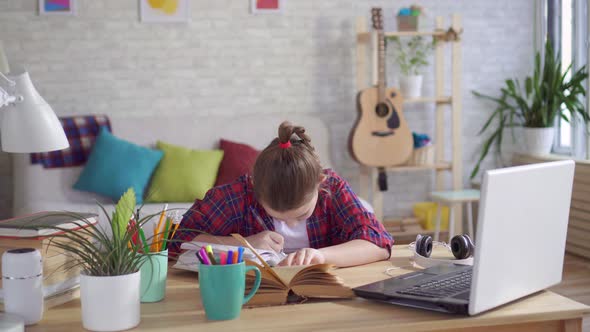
(381, 65)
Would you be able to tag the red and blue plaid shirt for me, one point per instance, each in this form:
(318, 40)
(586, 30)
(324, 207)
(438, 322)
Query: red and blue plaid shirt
(339, 216)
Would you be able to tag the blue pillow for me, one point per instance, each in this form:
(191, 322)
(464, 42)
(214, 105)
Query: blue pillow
(114, 165)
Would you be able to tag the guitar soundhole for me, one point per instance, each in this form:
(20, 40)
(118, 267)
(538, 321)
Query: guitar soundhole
(382, 110)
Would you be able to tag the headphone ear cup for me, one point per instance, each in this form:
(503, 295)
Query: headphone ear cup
(424, 245)
(462, 246)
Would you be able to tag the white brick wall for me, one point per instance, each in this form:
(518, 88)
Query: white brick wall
(226, 61)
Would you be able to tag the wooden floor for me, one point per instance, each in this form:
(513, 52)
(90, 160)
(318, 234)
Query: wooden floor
(576, 283)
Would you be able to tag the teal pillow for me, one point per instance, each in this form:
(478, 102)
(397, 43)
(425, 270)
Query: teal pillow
(114, 165)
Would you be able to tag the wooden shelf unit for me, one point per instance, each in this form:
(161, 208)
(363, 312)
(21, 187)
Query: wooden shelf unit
(366, 54)
(404, 168)
(438, 100)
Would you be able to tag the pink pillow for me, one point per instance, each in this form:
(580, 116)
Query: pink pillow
(238, 159)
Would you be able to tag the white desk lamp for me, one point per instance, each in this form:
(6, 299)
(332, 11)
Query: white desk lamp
(28, 124)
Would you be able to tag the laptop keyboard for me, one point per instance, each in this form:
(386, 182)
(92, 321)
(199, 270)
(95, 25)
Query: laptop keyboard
(446, 287)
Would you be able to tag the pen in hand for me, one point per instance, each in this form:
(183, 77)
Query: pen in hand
(261, 223)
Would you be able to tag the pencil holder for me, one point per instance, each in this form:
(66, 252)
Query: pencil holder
(222, 289)
(154, 271)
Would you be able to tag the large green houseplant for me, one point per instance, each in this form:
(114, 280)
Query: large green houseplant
(548, 94)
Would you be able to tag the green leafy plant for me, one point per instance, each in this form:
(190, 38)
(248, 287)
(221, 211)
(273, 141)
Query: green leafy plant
(550, 93)
(410, 55)
(96, 251)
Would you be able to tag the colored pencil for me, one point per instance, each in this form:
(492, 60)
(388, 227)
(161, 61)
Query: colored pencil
(155, 238)
(166, 232)
(146, 248)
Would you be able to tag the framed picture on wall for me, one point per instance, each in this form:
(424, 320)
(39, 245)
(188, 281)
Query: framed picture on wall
(164, 11)
(266, 6)
(57, 7)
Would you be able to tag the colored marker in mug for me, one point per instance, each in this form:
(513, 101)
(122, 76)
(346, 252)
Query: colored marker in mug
(230, 255)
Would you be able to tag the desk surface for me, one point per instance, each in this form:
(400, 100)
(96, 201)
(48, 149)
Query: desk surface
(181, 310)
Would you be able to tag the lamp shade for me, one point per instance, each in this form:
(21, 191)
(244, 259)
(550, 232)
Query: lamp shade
(30, 125)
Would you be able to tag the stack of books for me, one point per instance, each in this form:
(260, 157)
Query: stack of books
(61, 275)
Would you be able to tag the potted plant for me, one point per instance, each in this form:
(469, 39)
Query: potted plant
(535, 105)
(110, 278)
(411, 56)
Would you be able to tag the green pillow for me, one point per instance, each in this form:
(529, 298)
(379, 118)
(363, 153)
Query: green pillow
(183, 175)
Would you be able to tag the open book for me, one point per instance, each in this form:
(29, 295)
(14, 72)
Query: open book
(189, 261)
(295, 284)
(280, 285)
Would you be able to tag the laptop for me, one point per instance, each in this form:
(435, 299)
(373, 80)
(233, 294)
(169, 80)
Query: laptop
(519, 246)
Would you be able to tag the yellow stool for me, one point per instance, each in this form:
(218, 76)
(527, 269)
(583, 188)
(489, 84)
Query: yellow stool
(466, 196)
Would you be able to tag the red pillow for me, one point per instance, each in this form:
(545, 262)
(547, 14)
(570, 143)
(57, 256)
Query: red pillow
(238, 159)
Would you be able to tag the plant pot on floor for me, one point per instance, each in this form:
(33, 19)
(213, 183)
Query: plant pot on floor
(110, 303)
(411, 86)
(538, 141)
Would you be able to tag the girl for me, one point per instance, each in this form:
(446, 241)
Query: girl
(289, 203)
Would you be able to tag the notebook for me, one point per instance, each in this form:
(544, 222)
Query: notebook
(189, 261)
(35, 225)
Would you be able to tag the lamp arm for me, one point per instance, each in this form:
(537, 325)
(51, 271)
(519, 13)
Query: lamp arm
(5, 97)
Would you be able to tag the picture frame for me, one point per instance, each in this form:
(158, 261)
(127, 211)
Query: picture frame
(165, 12)
(266, 6)
(58, 7)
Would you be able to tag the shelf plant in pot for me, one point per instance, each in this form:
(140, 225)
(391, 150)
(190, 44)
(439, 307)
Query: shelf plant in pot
(535, 105)
(110, 278)
(411, 55)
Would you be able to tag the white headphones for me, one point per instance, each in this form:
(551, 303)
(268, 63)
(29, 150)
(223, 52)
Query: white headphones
(461, 246)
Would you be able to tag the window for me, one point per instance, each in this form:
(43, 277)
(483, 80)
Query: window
(567, 27)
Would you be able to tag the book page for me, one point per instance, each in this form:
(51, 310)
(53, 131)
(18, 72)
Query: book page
(271, 290)
(318, 281)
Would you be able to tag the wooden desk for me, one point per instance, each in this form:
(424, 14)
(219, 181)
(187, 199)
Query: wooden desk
(182, 311)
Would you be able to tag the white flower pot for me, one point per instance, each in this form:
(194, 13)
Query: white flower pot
(538, 141)
(411, 86)
(110, 303)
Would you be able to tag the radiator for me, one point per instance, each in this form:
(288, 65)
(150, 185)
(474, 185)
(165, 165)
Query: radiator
(578, 231)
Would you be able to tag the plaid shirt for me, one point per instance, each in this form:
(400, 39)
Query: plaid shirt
(338, 217)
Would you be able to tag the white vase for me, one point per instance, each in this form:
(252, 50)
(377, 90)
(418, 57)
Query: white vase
(411, 86)
(538, 141)
(110, 303)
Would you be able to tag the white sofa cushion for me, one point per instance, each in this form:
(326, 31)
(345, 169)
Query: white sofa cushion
(37, 188)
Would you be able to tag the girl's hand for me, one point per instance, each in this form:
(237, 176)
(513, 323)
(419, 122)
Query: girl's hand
(268, 240)
(304, 256)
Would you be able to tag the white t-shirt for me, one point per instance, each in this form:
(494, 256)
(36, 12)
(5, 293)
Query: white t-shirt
(295, 237)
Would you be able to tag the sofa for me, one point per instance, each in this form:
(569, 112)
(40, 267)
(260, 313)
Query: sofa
(37, 188)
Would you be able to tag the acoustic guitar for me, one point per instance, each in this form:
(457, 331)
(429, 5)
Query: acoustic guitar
(380, 136)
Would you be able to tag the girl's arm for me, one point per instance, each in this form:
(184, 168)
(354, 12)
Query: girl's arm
(355, 252)
(351, 222)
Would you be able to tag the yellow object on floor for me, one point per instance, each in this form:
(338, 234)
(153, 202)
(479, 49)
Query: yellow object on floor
(426, 212)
